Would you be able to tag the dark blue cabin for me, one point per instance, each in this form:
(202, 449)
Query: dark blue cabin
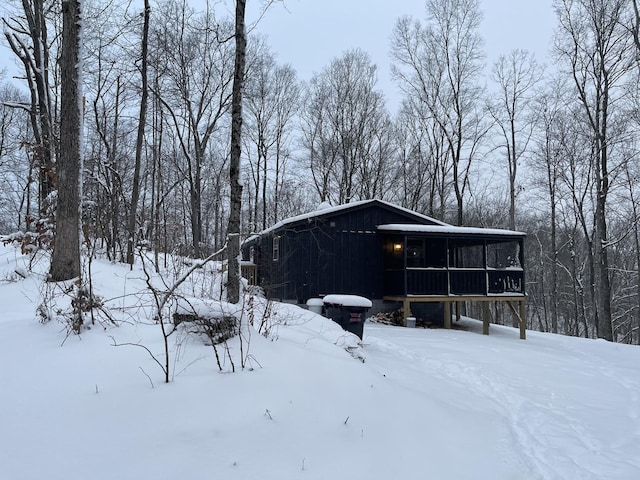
(388, 254)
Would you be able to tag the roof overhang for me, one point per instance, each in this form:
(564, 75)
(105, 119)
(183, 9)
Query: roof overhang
(450, 231)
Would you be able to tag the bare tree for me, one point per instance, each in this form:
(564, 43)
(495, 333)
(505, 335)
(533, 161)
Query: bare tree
(374, 172)
(632, 177)
(424, 166)
(15, 168)
(342, 113)
(28, 38)
(103, 163)
(135, 191)
(548, 151)
(516, 76)
(563, 230)
(111, 52)
(441, 64)
(594, 44)
(272, 97)
(233, 231)
(635, 26)
(194, 60)
(65, 259)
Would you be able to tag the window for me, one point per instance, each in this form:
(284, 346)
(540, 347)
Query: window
(415, 252)
(426, 252)
(504, 255)
(276, 248)
(435, 252)
(466, 253)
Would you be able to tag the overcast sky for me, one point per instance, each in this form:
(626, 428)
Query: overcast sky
(308, 34)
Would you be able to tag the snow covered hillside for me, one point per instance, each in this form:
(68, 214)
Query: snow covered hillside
(425, 404)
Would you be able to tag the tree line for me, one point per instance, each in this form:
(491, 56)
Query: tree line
(547, 149)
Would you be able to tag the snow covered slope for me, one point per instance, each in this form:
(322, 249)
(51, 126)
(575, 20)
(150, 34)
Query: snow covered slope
(425, 404)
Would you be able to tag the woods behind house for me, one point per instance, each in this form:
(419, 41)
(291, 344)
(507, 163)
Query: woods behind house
(550, 150)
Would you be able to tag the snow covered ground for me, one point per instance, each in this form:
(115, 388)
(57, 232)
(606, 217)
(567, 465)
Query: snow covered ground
(424, 404)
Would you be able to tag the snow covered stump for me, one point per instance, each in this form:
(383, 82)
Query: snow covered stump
(348, 311)
(216, 329)
(218, 321)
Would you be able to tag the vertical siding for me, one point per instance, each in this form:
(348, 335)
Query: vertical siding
(337, 253)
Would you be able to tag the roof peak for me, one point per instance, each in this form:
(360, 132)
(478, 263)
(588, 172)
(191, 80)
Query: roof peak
(325, 209)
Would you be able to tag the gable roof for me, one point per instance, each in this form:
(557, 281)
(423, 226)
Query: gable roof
(323, 212)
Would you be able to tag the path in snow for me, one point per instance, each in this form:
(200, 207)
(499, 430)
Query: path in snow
(557, 400)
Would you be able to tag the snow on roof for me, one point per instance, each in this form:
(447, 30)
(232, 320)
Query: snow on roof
(324, 210)
(448, 229)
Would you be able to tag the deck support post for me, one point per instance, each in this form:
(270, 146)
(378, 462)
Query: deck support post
(447, 314)
(520, 316)
(448, 302)
(486, 318)
(406, 310)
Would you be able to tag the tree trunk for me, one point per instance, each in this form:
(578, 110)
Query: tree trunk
(65, 260)
(554, 260)
(635, 324)
(636, 25)
(35, 59)
(637, 242)
(135, 192)
(552, 176)
(195, 195)
(233, 232)
(264, 190)
(605, 327)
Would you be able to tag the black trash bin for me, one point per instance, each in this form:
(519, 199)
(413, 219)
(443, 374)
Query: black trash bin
(348, 311)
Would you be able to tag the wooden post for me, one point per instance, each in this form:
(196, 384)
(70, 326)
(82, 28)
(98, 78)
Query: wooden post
(520, 315)
(447, 314)
(486, 318)
(458, 311)
(523, 321)
(406, 310)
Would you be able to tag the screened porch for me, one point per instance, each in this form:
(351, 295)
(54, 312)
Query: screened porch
(425, 260)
